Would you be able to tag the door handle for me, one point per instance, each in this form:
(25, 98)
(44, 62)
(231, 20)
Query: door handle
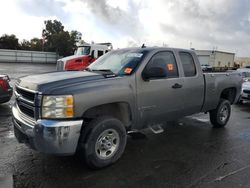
(176, 86)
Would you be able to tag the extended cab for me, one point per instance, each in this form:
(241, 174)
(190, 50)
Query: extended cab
(125, 90)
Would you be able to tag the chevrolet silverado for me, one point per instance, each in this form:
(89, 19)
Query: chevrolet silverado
(130, 89)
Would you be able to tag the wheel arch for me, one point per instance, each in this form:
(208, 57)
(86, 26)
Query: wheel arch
(119, 110)
(229, 94)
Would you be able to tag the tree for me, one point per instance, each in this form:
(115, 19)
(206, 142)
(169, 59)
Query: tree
(36, 44)
(58, 40)
(52, 27)
(9, 42)
(55, 39)
(75, 38)
(25, 45)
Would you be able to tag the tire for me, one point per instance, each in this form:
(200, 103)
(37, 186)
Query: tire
(220, 116)
(103, 142)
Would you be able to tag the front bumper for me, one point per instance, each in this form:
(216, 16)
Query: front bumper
(245, 96)
(47, 136)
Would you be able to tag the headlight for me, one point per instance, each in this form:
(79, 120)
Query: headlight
(58, 106)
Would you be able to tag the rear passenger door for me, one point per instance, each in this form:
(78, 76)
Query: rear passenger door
(193, 83)
(160, 99)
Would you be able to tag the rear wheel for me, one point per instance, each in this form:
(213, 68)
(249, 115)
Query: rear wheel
(103, 142)
(220, 116)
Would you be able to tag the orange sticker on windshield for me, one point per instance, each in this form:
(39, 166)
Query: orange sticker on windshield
(170, 67)
(128, 70)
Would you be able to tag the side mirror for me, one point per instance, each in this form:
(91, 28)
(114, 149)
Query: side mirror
(154, 72)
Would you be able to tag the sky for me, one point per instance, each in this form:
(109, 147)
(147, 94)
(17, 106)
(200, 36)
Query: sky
(201, 24)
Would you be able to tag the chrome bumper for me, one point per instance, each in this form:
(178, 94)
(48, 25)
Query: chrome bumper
(245, 96)
(47, 136)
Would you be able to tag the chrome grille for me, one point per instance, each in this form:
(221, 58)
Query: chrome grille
(26, 94)
(25, 99)
(27, 110)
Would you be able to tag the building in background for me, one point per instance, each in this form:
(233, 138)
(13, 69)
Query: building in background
(216, 59)
(243, 61)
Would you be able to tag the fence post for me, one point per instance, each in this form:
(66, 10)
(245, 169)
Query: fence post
(16, 55)
(31, 54)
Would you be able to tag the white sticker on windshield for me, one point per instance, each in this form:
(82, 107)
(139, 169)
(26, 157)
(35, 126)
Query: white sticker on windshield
(139, 55)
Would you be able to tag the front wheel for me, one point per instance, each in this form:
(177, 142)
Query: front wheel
(220, 116)
(104, 142)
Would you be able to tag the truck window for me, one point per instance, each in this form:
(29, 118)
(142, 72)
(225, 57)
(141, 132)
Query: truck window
(99, 53)
(83, 50)
(165, 60)
(188, 64)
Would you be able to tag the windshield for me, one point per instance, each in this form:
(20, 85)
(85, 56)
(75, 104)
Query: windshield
(120, 62)
(83, 50)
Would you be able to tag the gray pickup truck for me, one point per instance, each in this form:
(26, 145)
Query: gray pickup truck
(91, 111)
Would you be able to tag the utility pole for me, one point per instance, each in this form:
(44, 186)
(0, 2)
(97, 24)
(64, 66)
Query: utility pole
(190, 45)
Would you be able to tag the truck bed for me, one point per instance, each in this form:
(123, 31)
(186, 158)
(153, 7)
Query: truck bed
(214, 84)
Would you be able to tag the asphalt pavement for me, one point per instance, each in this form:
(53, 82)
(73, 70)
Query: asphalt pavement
(189, 153)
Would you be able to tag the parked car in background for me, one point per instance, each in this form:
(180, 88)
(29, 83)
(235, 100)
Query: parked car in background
(5, 89)
(245, 92)
(83, 57)
(245, 72)
(206, 67)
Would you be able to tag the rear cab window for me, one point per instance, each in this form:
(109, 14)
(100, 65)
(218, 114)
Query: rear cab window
(188, 64)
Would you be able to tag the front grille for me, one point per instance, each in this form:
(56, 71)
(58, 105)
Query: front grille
(246, 91)
(60, 66)
(26, 94)
(26, 101)
(29, 111)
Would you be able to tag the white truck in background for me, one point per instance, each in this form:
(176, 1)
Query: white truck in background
(84, 55)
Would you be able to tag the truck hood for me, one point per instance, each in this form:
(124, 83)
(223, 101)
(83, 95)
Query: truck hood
(49, 81)
(70, 57)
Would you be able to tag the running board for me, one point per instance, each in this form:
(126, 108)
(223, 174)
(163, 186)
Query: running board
(157, 128)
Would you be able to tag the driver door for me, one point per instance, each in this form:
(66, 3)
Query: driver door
(160, 99)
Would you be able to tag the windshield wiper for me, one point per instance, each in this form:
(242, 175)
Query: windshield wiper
(105, 72)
